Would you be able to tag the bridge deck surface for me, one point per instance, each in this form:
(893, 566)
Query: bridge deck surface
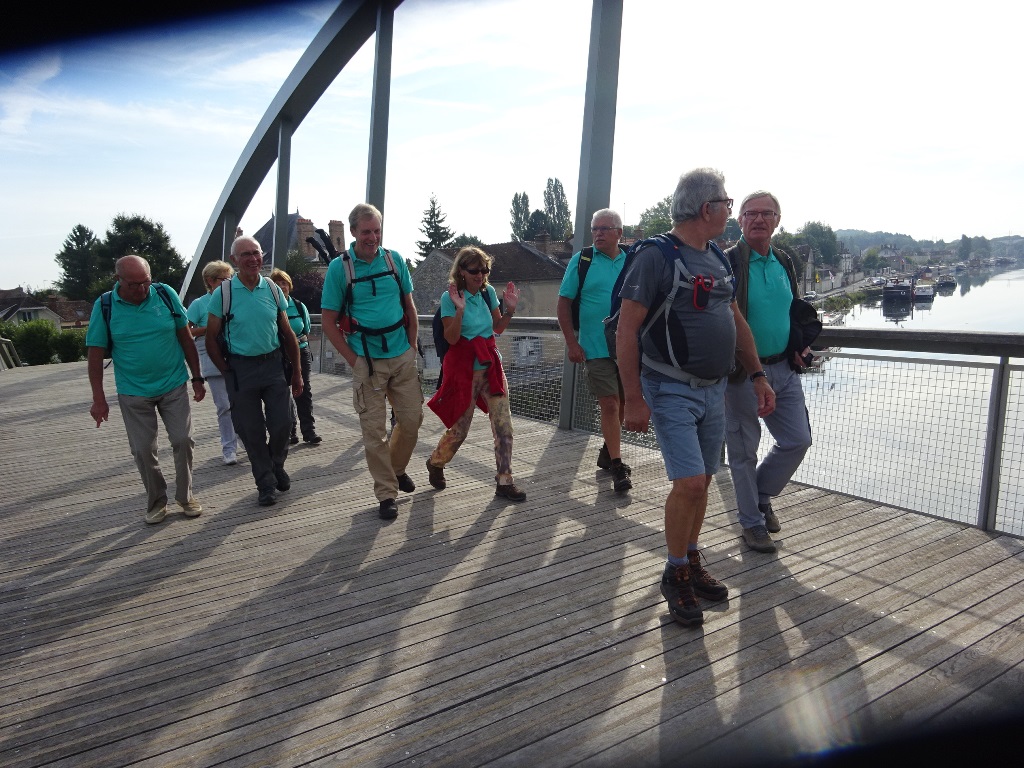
(468, 631)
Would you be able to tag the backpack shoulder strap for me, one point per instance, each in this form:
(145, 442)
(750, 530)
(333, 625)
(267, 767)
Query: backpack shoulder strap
(394, 272)
(487, 298)
(161, 291)
(106, 303)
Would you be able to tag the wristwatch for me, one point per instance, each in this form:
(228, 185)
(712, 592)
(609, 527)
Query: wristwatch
(758, 375)
(198, 380)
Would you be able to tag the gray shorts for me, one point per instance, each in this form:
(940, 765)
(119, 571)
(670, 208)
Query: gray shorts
(603, 377)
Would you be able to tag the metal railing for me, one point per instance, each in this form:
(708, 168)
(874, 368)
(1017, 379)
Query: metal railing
(922, 420)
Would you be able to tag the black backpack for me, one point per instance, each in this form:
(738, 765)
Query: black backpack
(107, 301)
(441, 344)
(656, 323)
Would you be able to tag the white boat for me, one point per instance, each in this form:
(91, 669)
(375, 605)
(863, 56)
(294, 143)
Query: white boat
(924, 290)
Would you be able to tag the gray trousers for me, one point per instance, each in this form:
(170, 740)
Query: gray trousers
(260, 399)
(139, 414)
(788, 424)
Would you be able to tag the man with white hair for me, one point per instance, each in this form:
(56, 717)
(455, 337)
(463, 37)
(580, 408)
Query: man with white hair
(584, 301)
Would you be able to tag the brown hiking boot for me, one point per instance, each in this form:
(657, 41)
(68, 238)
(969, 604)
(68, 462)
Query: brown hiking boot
(435, 475)
(677, 588)
(704, 584)
(512, 492)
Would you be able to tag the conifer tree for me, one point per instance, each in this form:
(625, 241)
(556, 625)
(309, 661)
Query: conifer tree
(434, 229)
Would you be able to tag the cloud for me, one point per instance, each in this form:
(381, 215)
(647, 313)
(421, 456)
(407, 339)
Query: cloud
(20, 99)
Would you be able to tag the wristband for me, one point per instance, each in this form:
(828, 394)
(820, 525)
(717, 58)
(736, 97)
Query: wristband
(198, 380)
(758, 375)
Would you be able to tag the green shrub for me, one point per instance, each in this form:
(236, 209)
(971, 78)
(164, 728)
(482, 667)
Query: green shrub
(34, 341)
(69, 345)
(7, 329)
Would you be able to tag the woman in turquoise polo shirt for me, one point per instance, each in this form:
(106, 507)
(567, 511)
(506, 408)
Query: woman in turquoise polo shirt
(471, 370)
(302, 406)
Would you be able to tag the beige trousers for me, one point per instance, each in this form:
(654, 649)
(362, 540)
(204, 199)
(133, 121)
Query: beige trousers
(396, 381)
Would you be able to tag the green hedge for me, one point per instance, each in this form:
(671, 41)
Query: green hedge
(70, 345)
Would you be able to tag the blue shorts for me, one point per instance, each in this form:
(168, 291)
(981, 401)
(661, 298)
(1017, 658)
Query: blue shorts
(689, 422)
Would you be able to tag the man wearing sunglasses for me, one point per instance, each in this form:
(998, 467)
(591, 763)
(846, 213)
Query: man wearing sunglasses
(766, 285)
(684, 396)
(584, 301)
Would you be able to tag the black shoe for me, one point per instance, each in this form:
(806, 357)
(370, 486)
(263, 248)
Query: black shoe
(388, 509)
(293, 440)
(771, 520)
(704, 584)
(758, 539)
(677, 588)
(436, 476)
(283, 481)
(267, 497)
(405, 484)
(605, 461)
(511, 492)
(621, 483)
(312, 438)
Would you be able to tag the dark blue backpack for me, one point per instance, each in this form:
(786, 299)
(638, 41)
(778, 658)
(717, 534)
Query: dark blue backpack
(437, 327)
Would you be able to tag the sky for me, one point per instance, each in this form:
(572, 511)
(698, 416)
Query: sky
(882, 116)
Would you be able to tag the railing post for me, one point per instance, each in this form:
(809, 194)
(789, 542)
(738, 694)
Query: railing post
(567, 395)
(994, 445)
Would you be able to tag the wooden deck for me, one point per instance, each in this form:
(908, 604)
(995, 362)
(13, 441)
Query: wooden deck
(468, 631)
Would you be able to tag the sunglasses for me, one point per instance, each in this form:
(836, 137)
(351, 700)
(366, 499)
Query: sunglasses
(476, 271)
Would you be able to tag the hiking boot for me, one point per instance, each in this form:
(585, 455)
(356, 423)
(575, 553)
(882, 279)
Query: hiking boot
(388, 509)
(191, 508)
(156, 515)
(312, 438)
(677, 588)
(405, 483)
(757, 538)
(621, 483)
(511, 492)
(704, 584)
(605, 461)
(771, 520)
(294, 439)
(436, 476)
(283, 481)
(267, 497)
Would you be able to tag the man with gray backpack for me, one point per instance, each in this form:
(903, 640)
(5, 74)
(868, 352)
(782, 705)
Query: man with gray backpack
(678, 334)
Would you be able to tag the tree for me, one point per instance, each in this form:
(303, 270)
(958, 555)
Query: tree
(308, 287)
(297, 264)
(143, 237)
(520, 215)
(965, 248)
(556, 206)
(657, 218)
(463, 240)
(537, 223)
(732, 230)
(432, 226)
(821, 237)
(77, 261)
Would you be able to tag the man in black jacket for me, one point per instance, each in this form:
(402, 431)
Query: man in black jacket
(766, 285)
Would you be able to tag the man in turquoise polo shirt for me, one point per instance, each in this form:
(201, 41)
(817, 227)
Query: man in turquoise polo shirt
(254, 369)
(606, 259)
(377, 338)
(765, 287)
(150, 344)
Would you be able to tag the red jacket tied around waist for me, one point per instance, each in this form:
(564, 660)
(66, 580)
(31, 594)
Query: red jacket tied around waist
(453, 398)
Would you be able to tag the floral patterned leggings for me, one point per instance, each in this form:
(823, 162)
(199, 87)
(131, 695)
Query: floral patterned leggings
(501, 428)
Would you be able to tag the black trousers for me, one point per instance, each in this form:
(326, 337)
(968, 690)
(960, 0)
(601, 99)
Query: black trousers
(259, 398)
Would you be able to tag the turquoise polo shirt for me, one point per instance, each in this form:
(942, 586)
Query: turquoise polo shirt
(769, 296)
(252, 329)
(476, 317)
(596, 302)
(198, 310)
(148, 359)
(298, 320)
(376, 303)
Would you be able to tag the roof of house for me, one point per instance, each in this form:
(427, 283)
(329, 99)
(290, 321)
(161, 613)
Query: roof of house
(13, 299)
(265, 237)
(517, 261)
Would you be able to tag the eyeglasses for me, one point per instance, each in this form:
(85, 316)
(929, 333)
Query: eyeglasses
(140, 284)
(247, 254)
(727, 200)
(766, 215)
(602, 230)
(477, 270)
(220, 279)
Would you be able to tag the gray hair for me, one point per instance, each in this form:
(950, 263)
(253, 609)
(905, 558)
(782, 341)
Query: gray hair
(607, 213)
(361, 211)
(755, 195)
(695, 188)
(128, 259)
(246, 238)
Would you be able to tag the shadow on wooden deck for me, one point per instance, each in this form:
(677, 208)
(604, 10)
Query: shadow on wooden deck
(468, 631)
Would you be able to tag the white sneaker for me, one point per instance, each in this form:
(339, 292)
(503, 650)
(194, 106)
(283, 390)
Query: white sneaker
(230, 458)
